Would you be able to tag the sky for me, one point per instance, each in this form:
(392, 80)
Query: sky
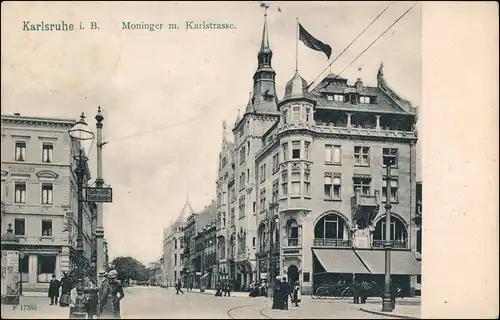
(165, 93)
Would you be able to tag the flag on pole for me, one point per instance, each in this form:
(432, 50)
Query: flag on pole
(313, 43)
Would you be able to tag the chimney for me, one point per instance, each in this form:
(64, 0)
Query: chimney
(359, 85)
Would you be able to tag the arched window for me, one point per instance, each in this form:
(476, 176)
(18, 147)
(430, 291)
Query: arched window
(175, 244)
(399, 235)
(262, 238)
(331, 231)
(292, 232)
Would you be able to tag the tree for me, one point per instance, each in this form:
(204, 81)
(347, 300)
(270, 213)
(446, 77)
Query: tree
(130, 268)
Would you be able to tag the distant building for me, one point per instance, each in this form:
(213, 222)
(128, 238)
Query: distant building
(196, 224)
(156, 272)
(39, 197)
(173, 247)
(302, 190)
(205, 256)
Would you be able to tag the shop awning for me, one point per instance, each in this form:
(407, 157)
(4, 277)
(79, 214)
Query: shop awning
(340, 261)
(402, 262)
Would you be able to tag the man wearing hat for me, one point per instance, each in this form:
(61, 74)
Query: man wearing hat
(286, 290)
(277, 294)
(105, 298)
(117, 293)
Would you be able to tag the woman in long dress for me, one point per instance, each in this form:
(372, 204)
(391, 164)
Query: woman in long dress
(277, 295)
(66, 286)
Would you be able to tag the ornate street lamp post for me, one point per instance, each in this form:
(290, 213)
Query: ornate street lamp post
(83, 138)
(270, 264)
(386, 301)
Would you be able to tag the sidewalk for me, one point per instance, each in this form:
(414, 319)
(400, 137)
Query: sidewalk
(402, 311)
(34, 308)
(212, 292)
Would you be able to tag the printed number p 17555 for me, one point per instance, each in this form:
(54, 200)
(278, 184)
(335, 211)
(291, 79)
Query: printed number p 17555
(25, 307)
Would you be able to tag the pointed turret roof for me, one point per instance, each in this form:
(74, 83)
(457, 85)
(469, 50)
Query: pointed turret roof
(264, 44)
(185, 213)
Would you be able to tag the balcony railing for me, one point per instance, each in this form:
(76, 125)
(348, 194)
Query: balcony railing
(398, 244)
(332, 243)
(293, 242)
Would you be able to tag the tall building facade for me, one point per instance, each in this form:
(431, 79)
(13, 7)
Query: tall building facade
(39, 197)
(304, 187)
(173, 247)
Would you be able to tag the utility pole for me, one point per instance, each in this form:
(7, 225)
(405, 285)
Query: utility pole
(100, 257)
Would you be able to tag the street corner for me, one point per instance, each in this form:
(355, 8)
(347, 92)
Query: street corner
(400, 312)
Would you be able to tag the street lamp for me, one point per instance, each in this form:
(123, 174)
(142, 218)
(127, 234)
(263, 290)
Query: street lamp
(270, 265)
(83, 138)
(387, 301)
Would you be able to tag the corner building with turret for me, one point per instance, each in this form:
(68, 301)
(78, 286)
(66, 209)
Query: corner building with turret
(302, 191)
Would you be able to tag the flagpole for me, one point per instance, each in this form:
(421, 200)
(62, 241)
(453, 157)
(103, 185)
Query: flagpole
(297, 48)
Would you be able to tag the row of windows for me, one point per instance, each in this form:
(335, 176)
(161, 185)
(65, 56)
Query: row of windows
(298, 114)
(47, 193)
(333, 155)
(20, 227)
(353, 98)
(332, 188)
(46, 156)
(332, 227)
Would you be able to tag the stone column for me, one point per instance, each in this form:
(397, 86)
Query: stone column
(378, 122)
(33, 269)
(349, 119)
(57, 271)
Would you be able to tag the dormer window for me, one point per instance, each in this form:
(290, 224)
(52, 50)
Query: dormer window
(329, 97)
(338, 97)
(353, 98)
(364, 99)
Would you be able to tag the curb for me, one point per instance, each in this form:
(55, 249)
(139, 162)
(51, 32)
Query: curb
(213, 294)
(392, 315)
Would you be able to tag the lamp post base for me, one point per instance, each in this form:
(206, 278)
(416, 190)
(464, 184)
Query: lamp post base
(387, 305)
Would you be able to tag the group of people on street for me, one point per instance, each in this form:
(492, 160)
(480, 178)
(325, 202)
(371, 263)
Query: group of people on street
(258, 289)
(101, 301)
(223, 287)
(283, 291)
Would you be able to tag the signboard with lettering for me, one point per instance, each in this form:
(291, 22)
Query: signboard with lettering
(98, 195)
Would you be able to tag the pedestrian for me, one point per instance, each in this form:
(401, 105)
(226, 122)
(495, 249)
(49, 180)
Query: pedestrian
(356, 289)
(117, 293)
(54, 290)
(228, 289)
(66, 286)
(218, 292)
(277, 304)
(364, 289)
(296, 293)
(178, 287)
(105, 298)
(286, 292)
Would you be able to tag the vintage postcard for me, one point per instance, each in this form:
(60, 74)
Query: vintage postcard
(216, 160)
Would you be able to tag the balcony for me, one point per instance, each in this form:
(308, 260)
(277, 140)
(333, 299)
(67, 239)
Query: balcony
(396, 244)
(293, 242)
(43, 240)
(241, 256)
(364, 207)
(338, 243)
